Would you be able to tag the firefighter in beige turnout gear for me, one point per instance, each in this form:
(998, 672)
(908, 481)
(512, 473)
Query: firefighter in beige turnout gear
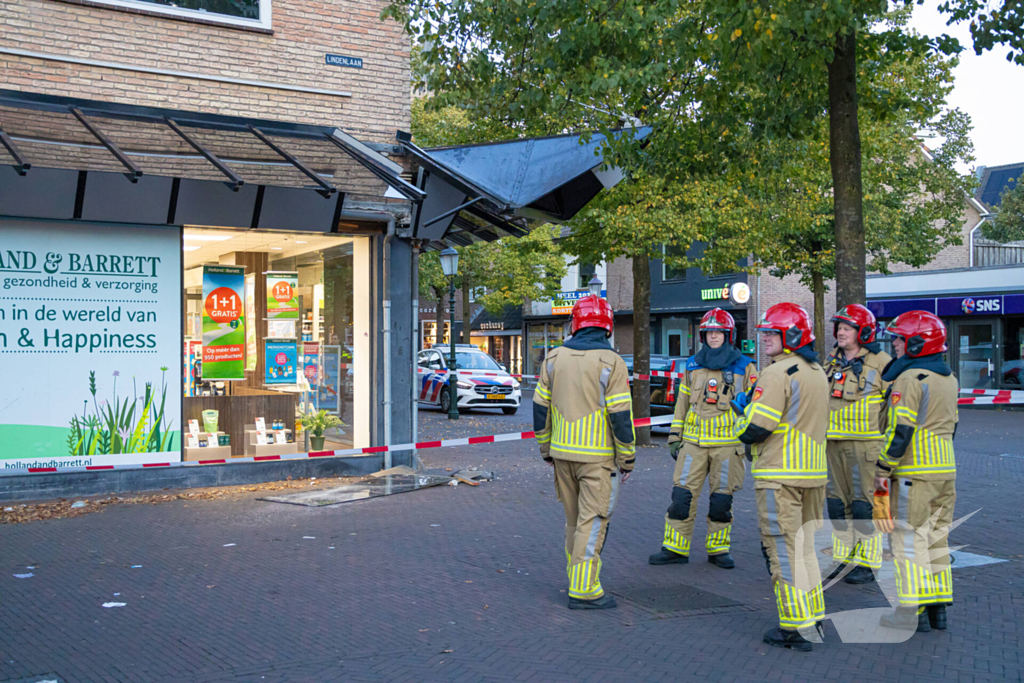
(856, 399)
(921, 418)
(583, 419)
(785, 419)
(703, 443)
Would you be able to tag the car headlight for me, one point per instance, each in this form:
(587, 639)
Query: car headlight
(464, 385)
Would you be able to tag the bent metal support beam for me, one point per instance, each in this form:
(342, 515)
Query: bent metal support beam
(134, 172)
(20, 165)
(325, 190)
(384, 169)
(234, 181)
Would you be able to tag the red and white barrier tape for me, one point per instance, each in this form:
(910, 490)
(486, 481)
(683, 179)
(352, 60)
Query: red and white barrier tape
(990, 400)
(371, 450)
(444, 373)
(993, 392)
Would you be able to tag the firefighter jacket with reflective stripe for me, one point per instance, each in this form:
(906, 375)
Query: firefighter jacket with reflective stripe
(703, 415)
(583, 411)
(856, 395)
(787, 419)
(921, 416)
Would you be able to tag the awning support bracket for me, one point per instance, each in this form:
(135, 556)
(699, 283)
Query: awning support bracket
(405, 188)
(20, 165)
(134, 172)
(235, 182)
(457, 209)
(326, 190)
(498, 221)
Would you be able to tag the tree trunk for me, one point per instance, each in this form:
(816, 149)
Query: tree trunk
(439, 332)
(642, 343)
(844, 158)
(819, 313)
(466, 309)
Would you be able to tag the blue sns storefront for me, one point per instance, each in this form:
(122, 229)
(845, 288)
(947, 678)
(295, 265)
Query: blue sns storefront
(986, 334)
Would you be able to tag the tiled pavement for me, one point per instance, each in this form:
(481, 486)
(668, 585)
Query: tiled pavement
(464, 584)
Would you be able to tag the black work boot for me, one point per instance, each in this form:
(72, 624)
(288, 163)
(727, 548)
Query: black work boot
(664, 556)
(606, 601)
(836, 570)
(723, 560)
(778, 637)
(937, 616)
(860, 575)
(906, 618)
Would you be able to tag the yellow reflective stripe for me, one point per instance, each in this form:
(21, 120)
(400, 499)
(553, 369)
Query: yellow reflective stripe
(617, 398)
(716, 431)
(544, 393)
(854, 421)
(762, 409)
(683, 389)
(930, 454)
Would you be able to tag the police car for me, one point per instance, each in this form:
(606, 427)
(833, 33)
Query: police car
(481, 382)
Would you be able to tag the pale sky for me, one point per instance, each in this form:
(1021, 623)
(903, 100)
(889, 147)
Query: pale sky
(987, 87)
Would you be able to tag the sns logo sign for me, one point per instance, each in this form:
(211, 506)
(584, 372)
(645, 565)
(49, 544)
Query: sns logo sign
(989, 305)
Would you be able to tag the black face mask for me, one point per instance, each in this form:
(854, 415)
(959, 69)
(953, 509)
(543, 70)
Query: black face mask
(716, 359)
(898, 366)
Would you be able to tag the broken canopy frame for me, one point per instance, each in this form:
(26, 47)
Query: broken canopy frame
(265, 163)
(503, 183)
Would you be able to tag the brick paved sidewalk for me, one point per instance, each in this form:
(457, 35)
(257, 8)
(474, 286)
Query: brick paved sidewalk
(467, 584)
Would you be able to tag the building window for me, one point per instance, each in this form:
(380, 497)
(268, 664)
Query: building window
(586, 274)
(670, 273)
(252, 13)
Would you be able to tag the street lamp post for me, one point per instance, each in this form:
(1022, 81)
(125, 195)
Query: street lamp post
(450, 267)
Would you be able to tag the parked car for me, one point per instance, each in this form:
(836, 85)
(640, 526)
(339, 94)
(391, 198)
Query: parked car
(493, 387)
(663, 389)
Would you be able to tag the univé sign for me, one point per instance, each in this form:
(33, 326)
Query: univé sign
(738, 293)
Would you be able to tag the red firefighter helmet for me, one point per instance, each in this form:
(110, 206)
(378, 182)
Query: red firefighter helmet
(858, 317)
(592, 311)
(923, 332)
(717, 319)
(790, 321)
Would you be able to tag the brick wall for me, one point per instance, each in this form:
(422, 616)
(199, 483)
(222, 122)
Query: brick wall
(958, 256)
(302, 33)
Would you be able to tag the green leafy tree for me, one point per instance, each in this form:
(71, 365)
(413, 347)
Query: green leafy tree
(1008, 223)
(1001, 25)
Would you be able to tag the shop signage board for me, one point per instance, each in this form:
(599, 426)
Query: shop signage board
(328, 390)
(564, 301)
(90, 329)
(251, 342)
(282, 296)
(223, 323)
(311, 361)
(282, 361)
(951, 306)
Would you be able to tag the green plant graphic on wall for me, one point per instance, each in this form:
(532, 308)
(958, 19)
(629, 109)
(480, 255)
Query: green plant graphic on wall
(120, 425)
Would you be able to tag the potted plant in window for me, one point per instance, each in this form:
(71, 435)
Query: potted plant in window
(316, 423)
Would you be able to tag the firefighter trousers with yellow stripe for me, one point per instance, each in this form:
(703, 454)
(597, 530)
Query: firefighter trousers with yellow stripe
(788, 517)
(851, 471)
(920, 542)
(588, 492)
(723, 468)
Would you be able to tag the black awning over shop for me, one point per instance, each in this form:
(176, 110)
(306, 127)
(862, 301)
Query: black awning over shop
(508, 322)
(483, 192)
(82, 159)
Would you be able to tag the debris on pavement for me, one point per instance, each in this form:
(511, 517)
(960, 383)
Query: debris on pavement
(65, 509)
(24, 576)
(114, 604)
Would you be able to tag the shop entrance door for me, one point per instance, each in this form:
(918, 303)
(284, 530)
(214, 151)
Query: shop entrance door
(976, 356)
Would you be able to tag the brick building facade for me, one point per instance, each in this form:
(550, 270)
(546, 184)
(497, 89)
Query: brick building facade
(129, 52)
